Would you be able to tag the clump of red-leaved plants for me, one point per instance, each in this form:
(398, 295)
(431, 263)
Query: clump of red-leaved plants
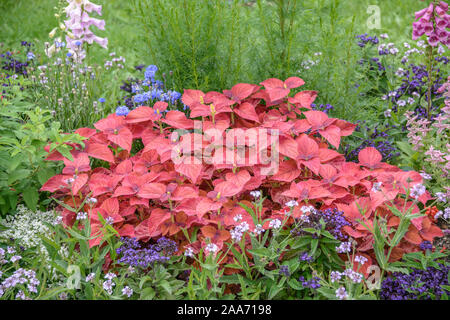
(146, 194)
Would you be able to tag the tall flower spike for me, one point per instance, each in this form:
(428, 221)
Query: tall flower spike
(78, 25)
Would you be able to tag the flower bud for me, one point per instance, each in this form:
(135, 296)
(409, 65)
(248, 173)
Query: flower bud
(52, 33)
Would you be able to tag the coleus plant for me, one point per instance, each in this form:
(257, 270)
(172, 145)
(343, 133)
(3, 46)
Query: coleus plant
(169, 188)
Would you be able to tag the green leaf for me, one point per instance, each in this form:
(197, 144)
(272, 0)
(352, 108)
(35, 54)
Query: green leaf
(147, 294)
(166, 286)
(31, 197)
(18, 174)
(293, 283)
(44, 174)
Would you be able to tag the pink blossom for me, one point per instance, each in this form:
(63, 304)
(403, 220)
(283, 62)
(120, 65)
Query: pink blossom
(79, 23)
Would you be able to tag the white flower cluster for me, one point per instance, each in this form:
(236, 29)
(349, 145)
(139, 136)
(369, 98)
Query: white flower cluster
(25, 227)
(239, 230)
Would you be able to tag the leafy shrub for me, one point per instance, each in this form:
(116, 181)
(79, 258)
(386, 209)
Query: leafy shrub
(146, 194)
(24, 133)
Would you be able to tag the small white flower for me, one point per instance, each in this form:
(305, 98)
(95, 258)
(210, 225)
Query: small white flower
(90, 277)
(344, 247)
(275, 224)
(307, 209)
(393, 51)
(109, 220)
(387, 113)
(376, 186)
(447, 213)
(291, 203)
(58, 220)
(341, 293)
(237, 217)
(401, 103)
(211, 248)
(255, 194)
(108, 286)
(442, 197)
(361, 259)
(400, 72)
(110, 276)
(91, 200)
(236, 234)
(258, 229)
(335, 276)
(81, 216)
(417, 190)
(189, 252)
(411, 100)
(244, 227)
(384, 36)
(127, 291)
(15, 258)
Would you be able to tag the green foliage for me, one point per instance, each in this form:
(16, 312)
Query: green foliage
(199, 40)
(24, 132)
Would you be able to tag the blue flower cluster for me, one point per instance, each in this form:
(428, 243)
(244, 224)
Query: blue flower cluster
(364, 39)
(284, 271)
(322, 107)
(417, 285)
(312, 284)
(132, 253)
(13, 65)
(147, 91)
(334, 222)
(304, 256)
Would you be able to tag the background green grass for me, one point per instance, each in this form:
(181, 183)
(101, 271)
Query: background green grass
(326, 26)
(32, 20)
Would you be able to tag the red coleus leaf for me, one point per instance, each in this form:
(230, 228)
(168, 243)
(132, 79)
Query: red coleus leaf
(332, 134)
(100, 151)
(126, 230)
(152, 190)
(214, 234)
(305, 191)
(141, 114)
(275, 89)
(413, 236)
(79, 182)
(247, 111)
(240, 91)
(293, 82)
(86, 132)
(370, 157)
(288, 147)
(318, 120)
(79, 164)
(56, 183)
(287, 171)
(303, 99)
(123, 138)
(192, 97)
(111, 124)
(101, 183)
(346, 127)
(192, 171)
(178, 120)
